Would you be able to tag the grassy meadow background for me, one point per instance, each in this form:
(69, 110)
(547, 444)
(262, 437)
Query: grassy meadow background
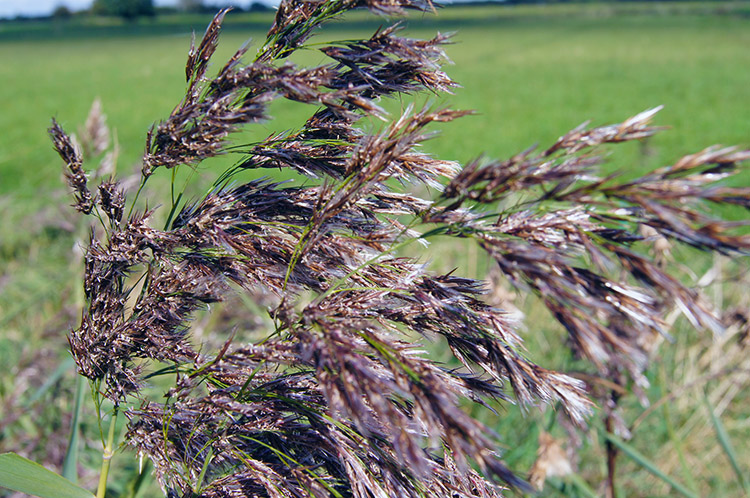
(532, 72)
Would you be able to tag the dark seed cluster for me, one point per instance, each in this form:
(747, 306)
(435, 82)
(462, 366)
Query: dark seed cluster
(338, 400)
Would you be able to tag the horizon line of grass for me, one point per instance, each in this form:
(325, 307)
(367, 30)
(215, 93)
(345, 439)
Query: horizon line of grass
(470, 13)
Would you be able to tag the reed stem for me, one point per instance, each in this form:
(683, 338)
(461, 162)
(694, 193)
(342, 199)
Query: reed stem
(107, 455)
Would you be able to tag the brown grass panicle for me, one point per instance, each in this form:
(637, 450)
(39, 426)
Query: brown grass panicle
(338, 399)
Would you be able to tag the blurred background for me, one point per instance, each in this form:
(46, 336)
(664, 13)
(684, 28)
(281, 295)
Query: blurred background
(532, 71)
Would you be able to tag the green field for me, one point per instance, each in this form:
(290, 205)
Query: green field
(531, 72)
(531, 77)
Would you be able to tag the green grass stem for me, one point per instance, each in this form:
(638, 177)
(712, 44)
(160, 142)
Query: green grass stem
(107, 455)
(726, 444)
(70, 464)
(647, 464)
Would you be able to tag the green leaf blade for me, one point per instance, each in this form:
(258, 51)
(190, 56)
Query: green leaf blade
(726, 444)
(648, 465)
(23, 475)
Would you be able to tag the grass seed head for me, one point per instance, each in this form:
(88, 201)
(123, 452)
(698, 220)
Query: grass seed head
(338, 400)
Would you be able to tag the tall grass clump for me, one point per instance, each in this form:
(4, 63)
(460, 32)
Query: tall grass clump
(337, 399)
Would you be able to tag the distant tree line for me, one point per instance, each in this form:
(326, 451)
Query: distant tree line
(513, 2)
(200, 6)
(133, 9)
(127, 9)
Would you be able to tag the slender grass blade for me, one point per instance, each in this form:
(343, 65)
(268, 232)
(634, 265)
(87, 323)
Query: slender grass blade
(23, 475)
